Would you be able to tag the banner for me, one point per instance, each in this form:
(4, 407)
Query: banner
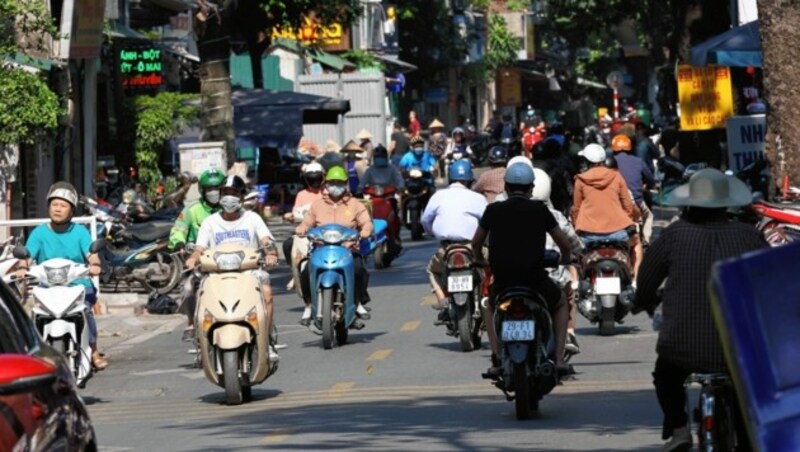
(705, 97)
(746, 138)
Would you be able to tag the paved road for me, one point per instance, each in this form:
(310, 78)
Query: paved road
(401, 384)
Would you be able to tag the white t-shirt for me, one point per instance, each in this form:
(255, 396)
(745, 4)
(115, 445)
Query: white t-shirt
(249, 229)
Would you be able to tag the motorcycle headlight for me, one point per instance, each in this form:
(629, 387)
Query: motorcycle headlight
(415, 173)
(56, 276)
(332, 237)
(379, 190)
(229, 261)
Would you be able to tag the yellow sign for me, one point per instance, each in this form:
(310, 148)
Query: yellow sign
(330, 36)
(705, 96)
(509, 81)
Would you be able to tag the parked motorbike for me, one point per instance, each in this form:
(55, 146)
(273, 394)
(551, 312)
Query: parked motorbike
(382, 209)
(333, 306)
(525, 329)
(231, 329)
(8, 263)
(418, 191)
(606, 293)
(779, 222)
(463, 282)
(59, 312)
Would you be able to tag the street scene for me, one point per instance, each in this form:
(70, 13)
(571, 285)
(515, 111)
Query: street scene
(392, 225)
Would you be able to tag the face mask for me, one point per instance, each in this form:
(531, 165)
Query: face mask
(212, 196)
(336, 191)
(230, 204)
(418, 152)
(381, 161)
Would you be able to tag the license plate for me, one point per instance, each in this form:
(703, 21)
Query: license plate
(607, 286)
(515, 331)
(461, 283)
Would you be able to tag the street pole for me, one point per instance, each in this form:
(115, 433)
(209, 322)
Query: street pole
(616, 99)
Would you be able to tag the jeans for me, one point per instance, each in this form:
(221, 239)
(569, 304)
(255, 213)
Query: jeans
(287, 250)
(361, 281)
(619, 236)
(89, 302)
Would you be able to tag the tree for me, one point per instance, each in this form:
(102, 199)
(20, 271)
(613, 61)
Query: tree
(779, 37)
(253, 20)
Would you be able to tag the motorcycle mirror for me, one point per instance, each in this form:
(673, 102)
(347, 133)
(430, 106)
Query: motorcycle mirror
(97, 245)
(190, 247)
(20, 252)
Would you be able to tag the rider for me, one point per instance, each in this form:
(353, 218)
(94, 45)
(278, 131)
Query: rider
(491, 184)
(452, 217)
(234, 224)
(382, 171)
(185, 231)
(418, 157)
(313, 176)
(61, 238)
(337, 206)
(636, 174)
(458, 147)
(518, 228)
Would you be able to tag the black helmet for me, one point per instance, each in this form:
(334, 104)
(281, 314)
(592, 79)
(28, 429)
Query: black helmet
(380, 151)
(234, 182)
(498, 155)
(611, 162)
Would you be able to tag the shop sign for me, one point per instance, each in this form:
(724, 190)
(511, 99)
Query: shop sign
(328, 37)
(510, 84)
(140, 67)
(746, 138)
(705, 96)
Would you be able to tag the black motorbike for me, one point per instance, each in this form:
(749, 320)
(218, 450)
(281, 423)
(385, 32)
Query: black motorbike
(419, 189)
(527, 356)
(462, 281)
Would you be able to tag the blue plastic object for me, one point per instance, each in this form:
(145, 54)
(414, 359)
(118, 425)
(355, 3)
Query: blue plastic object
(331, 265)
(757, 310)
(263, 193)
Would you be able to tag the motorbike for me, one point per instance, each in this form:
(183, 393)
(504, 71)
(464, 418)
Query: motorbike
(333, 305)
(8, 263)
(463, 282)
(419, 189)
(232, 334)
(605, 292)
(779, 222)
(382, 209)
(59, 312)
(525, 328)
(481, 144)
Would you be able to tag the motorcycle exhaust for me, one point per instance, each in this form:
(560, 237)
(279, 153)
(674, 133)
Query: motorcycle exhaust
(547, 369)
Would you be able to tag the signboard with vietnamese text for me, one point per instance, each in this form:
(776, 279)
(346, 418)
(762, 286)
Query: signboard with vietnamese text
(746, 138)
(705, 96)
(140, 67)
(330, 37)
(509, 82)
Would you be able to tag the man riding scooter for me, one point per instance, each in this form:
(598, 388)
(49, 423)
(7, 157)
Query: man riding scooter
(235, 225)
(385, 175)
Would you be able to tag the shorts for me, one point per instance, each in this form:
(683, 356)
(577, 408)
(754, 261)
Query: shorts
(545, 287)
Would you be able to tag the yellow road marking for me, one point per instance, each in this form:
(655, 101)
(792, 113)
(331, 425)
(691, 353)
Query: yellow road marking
(428, 299)
(379, 355)
(339, 390)
(410, 326)
(278, 436)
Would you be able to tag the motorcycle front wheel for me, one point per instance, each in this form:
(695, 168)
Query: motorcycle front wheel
(230, 375)
(327, 318)
(174, 267)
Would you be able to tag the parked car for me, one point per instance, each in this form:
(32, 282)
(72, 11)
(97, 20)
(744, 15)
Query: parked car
(40, 408)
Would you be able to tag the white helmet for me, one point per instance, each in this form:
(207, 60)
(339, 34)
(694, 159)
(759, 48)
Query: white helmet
(313, 167)
(593, 153)
(519, 159)
(542, 187)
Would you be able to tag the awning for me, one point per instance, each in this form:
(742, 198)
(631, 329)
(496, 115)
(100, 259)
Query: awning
(738, 47)
(34, 63)
(117, 29)
(328, 59)
(394, 64)
(268, 118)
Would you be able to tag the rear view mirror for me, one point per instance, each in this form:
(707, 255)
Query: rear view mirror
(23, 373)
(20, 252)
(97, 245)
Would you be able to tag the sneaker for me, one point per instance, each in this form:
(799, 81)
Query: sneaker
(305, 319)
(290, 285)
(681, 441)
(572, 346)
(273, 355)
(188, 334)
(362, 312)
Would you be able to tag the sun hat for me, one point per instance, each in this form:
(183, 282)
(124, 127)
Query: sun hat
(436, 123)
(519, 174)
(364, 135)
(711, 188)
(352, 146)
(593, 153)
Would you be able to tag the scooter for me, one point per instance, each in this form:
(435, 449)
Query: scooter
(463, 283)
(231, 329)
(525, 329)
(419, 189)
(59, 312)
(333, 306)
(606, 293)
(382, 209)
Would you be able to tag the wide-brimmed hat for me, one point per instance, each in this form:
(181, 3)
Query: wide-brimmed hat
(352, 146)
(364, 135)
(710, 188)
(436, 123)
(331, 146)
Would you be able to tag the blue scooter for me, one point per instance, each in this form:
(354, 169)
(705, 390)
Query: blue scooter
(333, 306)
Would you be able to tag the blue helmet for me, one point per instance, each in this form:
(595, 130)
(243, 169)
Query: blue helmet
(461, 171)
(498, 155)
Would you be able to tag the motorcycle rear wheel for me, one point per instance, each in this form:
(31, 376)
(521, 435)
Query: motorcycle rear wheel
(522, 392)
(230, 376)
(327, 318)
(464, 320)
(175, 271)
(415, 225)
(381, 257)
(607, 322)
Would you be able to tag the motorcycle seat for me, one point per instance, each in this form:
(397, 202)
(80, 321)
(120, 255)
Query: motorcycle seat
(607, 244)
(148, 232)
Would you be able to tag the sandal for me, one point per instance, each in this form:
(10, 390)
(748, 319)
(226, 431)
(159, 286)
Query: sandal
(98, 361)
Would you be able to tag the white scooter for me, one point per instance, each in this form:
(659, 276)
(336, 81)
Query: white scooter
(59, 311)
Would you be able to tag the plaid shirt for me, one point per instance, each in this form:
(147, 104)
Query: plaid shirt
(491, 183)
(685, 253)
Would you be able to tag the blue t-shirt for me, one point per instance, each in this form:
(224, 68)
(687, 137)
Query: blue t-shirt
(73, 244)
(410, 160)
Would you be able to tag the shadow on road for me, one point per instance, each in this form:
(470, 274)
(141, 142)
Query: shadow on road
(352, 338)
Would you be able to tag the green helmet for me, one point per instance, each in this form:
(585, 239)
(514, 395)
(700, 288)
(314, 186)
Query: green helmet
(336, 173)
(211, 178)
